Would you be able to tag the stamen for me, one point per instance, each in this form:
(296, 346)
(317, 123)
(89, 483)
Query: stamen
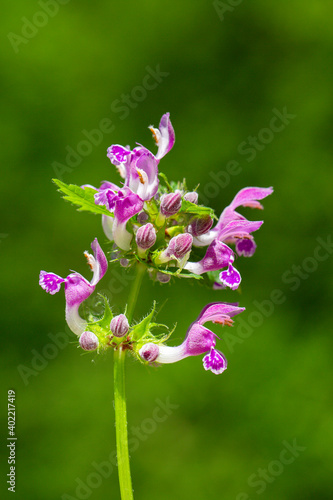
(141, 175)
(224, 321)
(156, 134)
(91, 260)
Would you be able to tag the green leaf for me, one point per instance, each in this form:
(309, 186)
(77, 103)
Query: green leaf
(104, 322)
(179, 274)
(82, 197)
(142, 329)
(213, 275)
(165, 179)
(192, 208)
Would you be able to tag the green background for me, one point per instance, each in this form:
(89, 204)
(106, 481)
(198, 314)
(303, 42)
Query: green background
(226, 73)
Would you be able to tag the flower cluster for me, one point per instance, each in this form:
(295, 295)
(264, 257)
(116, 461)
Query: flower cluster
(161, 226)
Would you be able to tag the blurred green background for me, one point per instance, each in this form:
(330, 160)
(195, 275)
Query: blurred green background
(225, 72)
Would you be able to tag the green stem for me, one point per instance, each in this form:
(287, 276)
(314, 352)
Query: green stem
(133, 296)
(124, 471)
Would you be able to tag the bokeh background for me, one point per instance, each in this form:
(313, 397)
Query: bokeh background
(225, 70)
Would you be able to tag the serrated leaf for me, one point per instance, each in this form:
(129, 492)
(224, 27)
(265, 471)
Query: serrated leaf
(142, 329)
(192, 208)
(81, 197)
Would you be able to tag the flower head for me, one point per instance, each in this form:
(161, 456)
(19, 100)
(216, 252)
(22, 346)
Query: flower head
(232, 226)
(77, 288)
(198, 340)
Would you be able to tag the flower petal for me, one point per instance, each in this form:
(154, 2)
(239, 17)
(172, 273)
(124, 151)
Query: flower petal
(231, 277)
(238, 229)
(218, 255)
(199, 340)
(121, 236)
(127, 205)
(143, 174)
(50, 282)
(249, 196)
(215, 361)
(219, 312)
(245, 247)
(164, 136)
(100, 264)
(107, 224)
(77, 289)
(118, 154)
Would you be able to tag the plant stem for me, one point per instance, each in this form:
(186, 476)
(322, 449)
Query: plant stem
(133, 297)
(124, 472)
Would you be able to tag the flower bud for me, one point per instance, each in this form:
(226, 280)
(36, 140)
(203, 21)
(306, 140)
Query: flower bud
(146, 236)
(149, 352)
(200, 225)
(163, 278)
(171, 203)
(124, 262)
(142, 217)
(119, 325)
(180, 245)
(88, 341)
(192, 196)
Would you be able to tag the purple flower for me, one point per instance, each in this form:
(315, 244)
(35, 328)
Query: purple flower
(218, 256)
(77, 288)
(139, 167)
(198, 340)
(142, 173)
(231, 225)
(124, 204)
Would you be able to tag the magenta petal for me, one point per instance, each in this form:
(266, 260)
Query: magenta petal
(248, 197)
(215, 361)
(101, 262)
(117, 154)
(199, 340)
(166, 136)
(106, 197)
(50, 282)
(231, 277)
(218, 255)
(77, 289)
(143, 174)
(219, 312)
(245, 247)
(128, 204)
(239, 229)
(109, 185)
